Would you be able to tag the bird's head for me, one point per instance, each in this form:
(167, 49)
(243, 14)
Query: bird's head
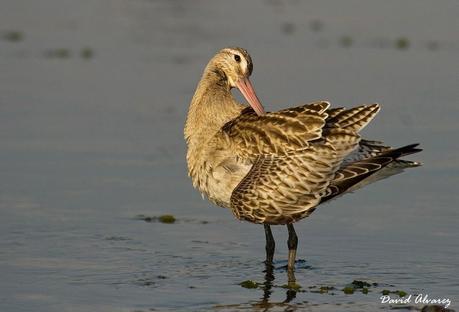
(234, 66)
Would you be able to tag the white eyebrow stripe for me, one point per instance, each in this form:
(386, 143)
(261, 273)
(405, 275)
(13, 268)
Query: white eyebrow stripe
(243, 64)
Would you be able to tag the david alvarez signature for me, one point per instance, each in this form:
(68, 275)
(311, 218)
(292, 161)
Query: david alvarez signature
(421, 298)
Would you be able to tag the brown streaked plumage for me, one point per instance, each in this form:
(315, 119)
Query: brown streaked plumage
(276, 167)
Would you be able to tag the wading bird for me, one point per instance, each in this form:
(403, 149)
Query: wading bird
(276, 167)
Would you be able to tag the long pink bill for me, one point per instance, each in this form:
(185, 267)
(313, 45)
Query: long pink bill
(248, 92)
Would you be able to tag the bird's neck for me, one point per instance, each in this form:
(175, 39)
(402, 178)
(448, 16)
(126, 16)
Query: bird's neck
(212, 106)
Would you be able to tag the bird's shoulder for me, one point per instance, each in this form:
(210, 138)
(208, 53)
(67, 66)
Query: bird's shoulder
(276, 133)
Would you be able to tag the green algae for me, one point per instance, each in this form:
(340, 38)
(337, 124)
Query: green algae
(87, 53)
(400, 293)
(346, 41)
(348, 290)
(292, 286)
(14, 36)
(360, 284)
(402, 43)
(249, 284)
(166, 219)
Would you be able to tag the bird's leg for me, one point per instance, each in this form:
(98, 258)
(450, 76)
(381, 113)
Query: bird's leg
(270, 244)
(292, 244)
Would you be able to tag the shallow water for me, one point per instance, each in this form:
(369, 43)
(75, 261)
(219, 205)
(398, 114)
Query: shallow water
(93, 96)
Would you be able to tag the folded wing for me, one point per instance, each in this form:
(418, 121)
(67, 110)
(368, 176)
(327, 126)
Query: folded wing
(295, 154)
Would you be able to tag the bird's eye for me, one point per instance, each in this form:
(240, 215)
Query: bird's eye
(237, 58)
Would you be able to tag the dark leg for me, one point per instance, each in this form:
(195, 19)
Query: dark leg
(270, 244)
(292, 244)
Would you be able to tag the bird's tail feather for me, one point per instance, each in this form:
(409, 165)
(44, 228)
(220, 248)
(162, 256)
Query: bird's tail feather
(363, 172)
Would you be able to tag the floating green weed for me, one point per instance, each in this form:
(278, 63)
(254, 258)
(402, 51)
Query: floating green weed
(400, 293)
(402, 43)
(163, 218)
(249, 284)
(86, 53)
(346, 41)
(348, 290)
(360, 284)
(166, 219)
(13, 36)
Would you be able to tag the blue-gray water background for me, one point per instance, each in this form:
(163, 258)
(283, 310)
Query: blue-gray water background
(93, 97)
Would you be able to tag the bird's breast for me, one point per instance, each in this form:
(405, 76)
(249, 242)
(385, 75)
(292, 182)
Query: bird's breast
(216, 175)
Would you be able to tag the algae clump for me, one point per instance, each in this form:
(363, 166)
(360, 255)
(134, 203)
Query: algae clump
(249, 284)
(167, 219)
(348, 290)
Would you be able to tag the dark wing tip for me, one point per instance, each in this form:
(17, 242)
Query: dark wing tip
(382, 159)
(403, 151)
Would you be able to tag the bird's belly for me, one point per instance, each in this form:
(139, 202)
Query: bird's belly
(222, 180)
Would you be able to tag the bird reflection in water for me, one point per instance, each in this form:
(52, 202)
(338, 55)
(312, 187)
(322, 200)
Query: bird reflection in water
(268, 286)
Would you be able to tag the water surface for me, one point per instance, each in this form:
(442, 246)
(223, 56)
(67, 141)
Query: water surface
(93, 97)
